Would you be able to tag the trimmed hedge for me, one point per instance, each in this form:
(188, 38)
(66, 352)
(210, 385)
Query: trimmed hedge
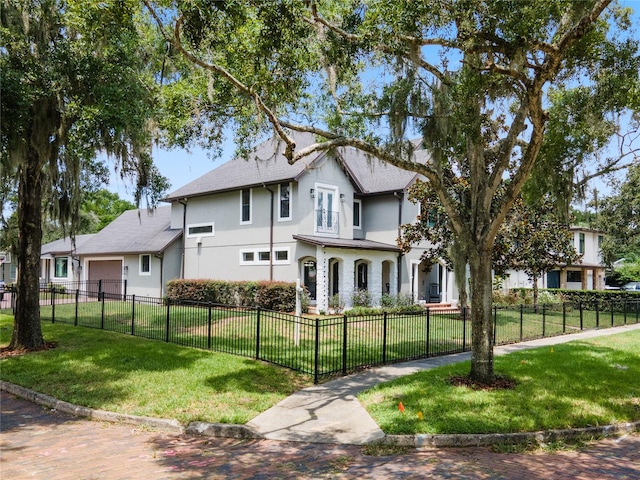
(589, 298)
(279, 296)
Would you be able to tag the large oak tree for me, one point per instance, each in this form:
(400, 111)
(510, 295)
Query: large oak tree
(475, 80)
(73, 82)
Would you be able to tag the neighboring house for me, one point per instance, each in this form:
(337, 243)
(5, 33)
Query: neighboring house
(587, 274)
(330, 220)
(8, 270)
(138, 248)
(59, 261)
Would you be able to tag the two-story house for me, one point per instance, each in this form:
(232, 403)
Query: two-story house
(331, 221)
(586, 274)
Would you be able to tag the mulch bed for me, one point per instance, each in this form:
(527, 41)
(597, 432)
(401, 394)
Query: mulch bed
(8, 352)
(500, 383)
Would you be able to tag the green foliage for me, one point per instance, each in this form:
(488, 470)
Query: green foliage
(279, 296)
(130, 375)
(598, 389)
(361, 298)
(618, 216)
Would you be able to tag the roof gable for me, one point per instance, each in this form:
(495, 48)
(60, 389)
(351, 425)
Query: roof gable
(134, 231)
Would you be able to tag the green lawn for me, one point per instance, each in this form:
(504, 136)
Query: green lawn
(577, 384)
(125, 374)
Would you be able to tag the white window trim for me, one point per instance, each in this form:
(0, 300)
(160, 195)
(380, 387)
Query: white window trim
(336, 192)
(69, 263)
(280, 217)
(250, 221)
(359, 203)
(140, 272)
(195, 235)
(256, 256)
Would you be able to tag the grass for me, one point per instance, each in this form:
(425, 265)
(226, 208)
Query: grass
(109, 371)
(578, 384)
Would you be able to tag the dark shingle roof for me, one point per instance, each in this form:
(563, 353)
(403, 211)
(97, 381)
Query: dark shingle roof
(346, 243)
(267, 165)
(135, 231)
(64, 245)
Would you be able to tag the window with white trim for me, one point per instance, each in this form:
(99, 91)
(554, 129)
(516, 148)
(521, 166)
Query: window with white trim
(61, 267)
(263, 257)
(200, 230)
(245, 206)
(284, 202)
(145, 264)
(357, 214)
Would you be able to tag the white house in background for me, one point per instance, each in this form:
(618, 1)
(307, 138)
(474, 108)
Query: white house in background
(8, 269)
(586, 274)
(139, 248)
(330, 220)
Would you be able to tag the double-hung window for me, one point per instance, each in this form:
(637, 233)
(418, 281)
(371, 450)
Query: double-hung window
(145, 264)
(357, 214)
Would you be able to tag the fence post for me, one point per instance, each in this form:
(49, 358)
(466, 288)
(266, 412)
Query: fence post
(384, 338)
(102, 311)
(75, 321)
(209, 328)
(544, 320)
(316, 360)
(133, 313)
(564, 317)
(53, 304)
(612, 313)
(597, 314)
(125, 288)
(495, 323)
(99, 287)
(521, 321)
(344, 345)
(581, 315)
(429, 330)
(258, 333)
(464, 329)
(166, 337)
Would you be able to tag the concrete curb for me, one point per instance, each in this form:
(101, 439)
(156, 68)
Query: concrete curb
(244, 432)
(169, 425)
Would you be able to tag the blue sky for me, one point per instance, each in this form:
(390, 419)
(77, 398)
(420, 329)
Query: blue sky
(181, 166)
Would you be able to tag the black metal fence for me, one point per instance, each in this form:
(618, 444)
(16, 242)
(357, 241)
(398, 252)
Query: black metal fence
(322, 346)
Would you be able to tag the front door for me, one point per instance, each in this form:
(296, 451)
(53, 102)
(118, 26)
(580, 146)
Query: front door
(310, 278)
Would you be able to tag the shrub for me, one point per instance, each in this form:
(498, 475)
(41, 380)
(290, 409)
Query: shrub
(278, 296)
(361, 298)
(336, 303)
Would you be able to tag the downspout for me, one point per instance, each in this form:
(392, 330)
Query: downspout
(271, 219)
(184, 235)
(400, 197)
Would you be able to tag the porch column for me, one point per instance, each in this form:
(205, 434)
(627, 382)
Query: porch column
(348, 280)
(444, 287)
(375, 282)
(322, 280)
(563, 278)
(584, 276)
(393, 279)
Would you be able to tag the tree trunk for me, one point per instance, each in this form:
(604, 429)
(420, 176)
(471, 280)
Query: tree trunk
(481, 316)
(27, 331)
(535, 293)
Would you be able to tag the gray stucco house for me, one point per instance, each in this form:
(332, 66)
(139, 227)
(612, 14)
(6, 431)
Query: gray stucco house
(138, 247)
(330, 220)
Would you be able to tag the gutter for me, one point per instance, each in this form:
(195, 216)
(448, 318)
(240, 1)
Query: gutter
(271, 218)
(400, 197)
(183, 202)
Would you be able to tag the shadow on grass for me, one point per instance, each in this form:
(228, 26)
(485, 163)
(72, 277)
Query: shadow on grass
(576, 385)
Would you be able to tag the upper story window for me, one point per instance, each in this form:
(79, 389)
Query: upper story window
(251, 256)
(61, 267)
(357, 214)
(327, 219)
(200, 230)
(581, 243)
(284, 203)
(245, 206)
(145, 264)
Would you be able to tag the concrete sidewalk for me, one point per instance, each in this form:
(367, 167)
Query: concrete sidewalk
(331, 413)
